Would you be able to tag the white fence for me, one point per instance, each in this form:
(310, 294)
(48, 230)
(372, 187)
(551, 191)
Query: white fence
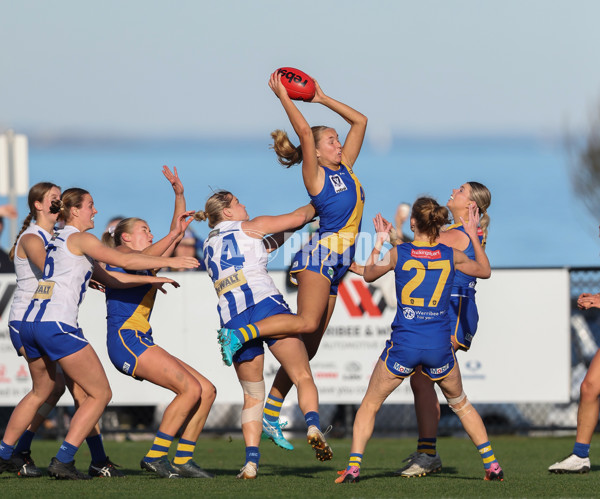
(523, 341)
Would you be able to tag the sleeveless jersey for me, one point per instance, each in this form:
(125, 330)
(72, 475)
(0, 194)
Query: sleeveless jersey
(63, 285)
(340, 208)
(237, 265)
(28, 275)
(130, 308)
(463, 282)
(424, 276)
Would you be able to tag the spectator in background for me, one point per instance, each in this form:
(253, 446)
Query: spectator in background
(402, 214)
(6, 264)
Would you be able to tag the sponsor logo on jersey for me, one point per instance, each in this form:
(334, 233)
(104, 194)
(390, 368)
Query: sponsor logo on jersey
(126, 367)
(402, 369)
(44, 290)
(408, 313)
(338, 183)
(229, 283)
(440, 370)
(426, 253)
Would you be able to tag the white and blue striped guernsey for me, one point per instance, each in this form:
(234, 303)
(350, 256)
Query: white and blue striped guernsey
(63, 285)
(28, 275)
(237, 265)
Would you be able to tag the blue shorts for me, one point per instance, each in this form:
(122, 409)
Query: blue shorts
(15, 337)
(271, 305)
(53, 339)
(319, 258)
(125, 347)
(463, 319)
(401, 360)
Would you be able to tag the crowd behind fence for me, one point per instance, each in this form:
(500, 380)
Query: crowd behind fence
(136, 421)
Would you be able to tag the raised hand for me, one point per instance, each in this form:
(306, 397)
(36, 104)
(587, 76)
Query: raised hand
(173, 179)
(276, 85)
(383, 228)
(319, 94)
(184, 220)
(473, 222)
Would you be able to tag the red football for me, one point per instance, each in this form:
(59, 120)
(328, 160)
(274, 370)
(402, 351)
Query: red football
(298, 84)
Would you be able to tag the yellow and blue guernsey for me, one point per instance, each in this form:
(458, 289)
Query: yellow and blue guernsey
(463, 312)
(128, 322)
(421, 329)
(340, 208)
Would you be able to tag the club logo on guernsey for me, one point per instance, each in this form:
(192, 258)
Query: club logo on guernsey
(338, 183)
(425, 253)
(408, 313)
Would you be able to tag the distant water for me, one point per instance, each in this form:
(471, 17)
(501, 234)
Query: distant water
(536, 219)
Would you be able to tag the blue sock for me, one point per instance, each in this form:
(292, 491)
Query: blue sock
(252, 454)
(6, 451)
(427, 446)
(272, 409)
(312, 419)
(66, 453)
(96, 448)
(246, 333)
(24, 443)
(581, 450)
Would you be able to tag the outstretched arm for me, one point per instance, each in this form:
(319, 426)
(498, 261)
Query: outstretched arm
(375, 268)
(261, 226)
(358, 125)
(84, 243)
(123, 280)
(167, 244)
(313, 176)
(177, 185)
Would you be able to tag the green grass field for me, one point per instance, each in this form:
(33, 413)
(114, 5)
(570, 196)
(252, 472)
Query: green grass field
(299, 474)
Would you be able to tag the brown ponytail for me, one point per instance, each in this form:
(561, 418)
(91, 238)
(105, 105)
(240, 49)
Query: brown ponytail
(429, 217)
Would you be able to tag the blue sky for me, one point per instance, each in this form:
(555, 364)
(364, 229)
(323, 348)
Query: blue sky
(200, 68)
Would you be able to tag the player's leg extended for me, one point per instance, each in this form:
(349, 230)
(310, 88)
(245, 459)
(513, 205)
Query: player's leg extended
(381, 384)
(452, 389)
(250, 374)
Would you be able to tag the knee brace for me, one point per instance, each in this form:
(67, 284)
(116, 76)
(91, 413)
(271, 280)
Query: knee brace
(256, 391)
(464, 409)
